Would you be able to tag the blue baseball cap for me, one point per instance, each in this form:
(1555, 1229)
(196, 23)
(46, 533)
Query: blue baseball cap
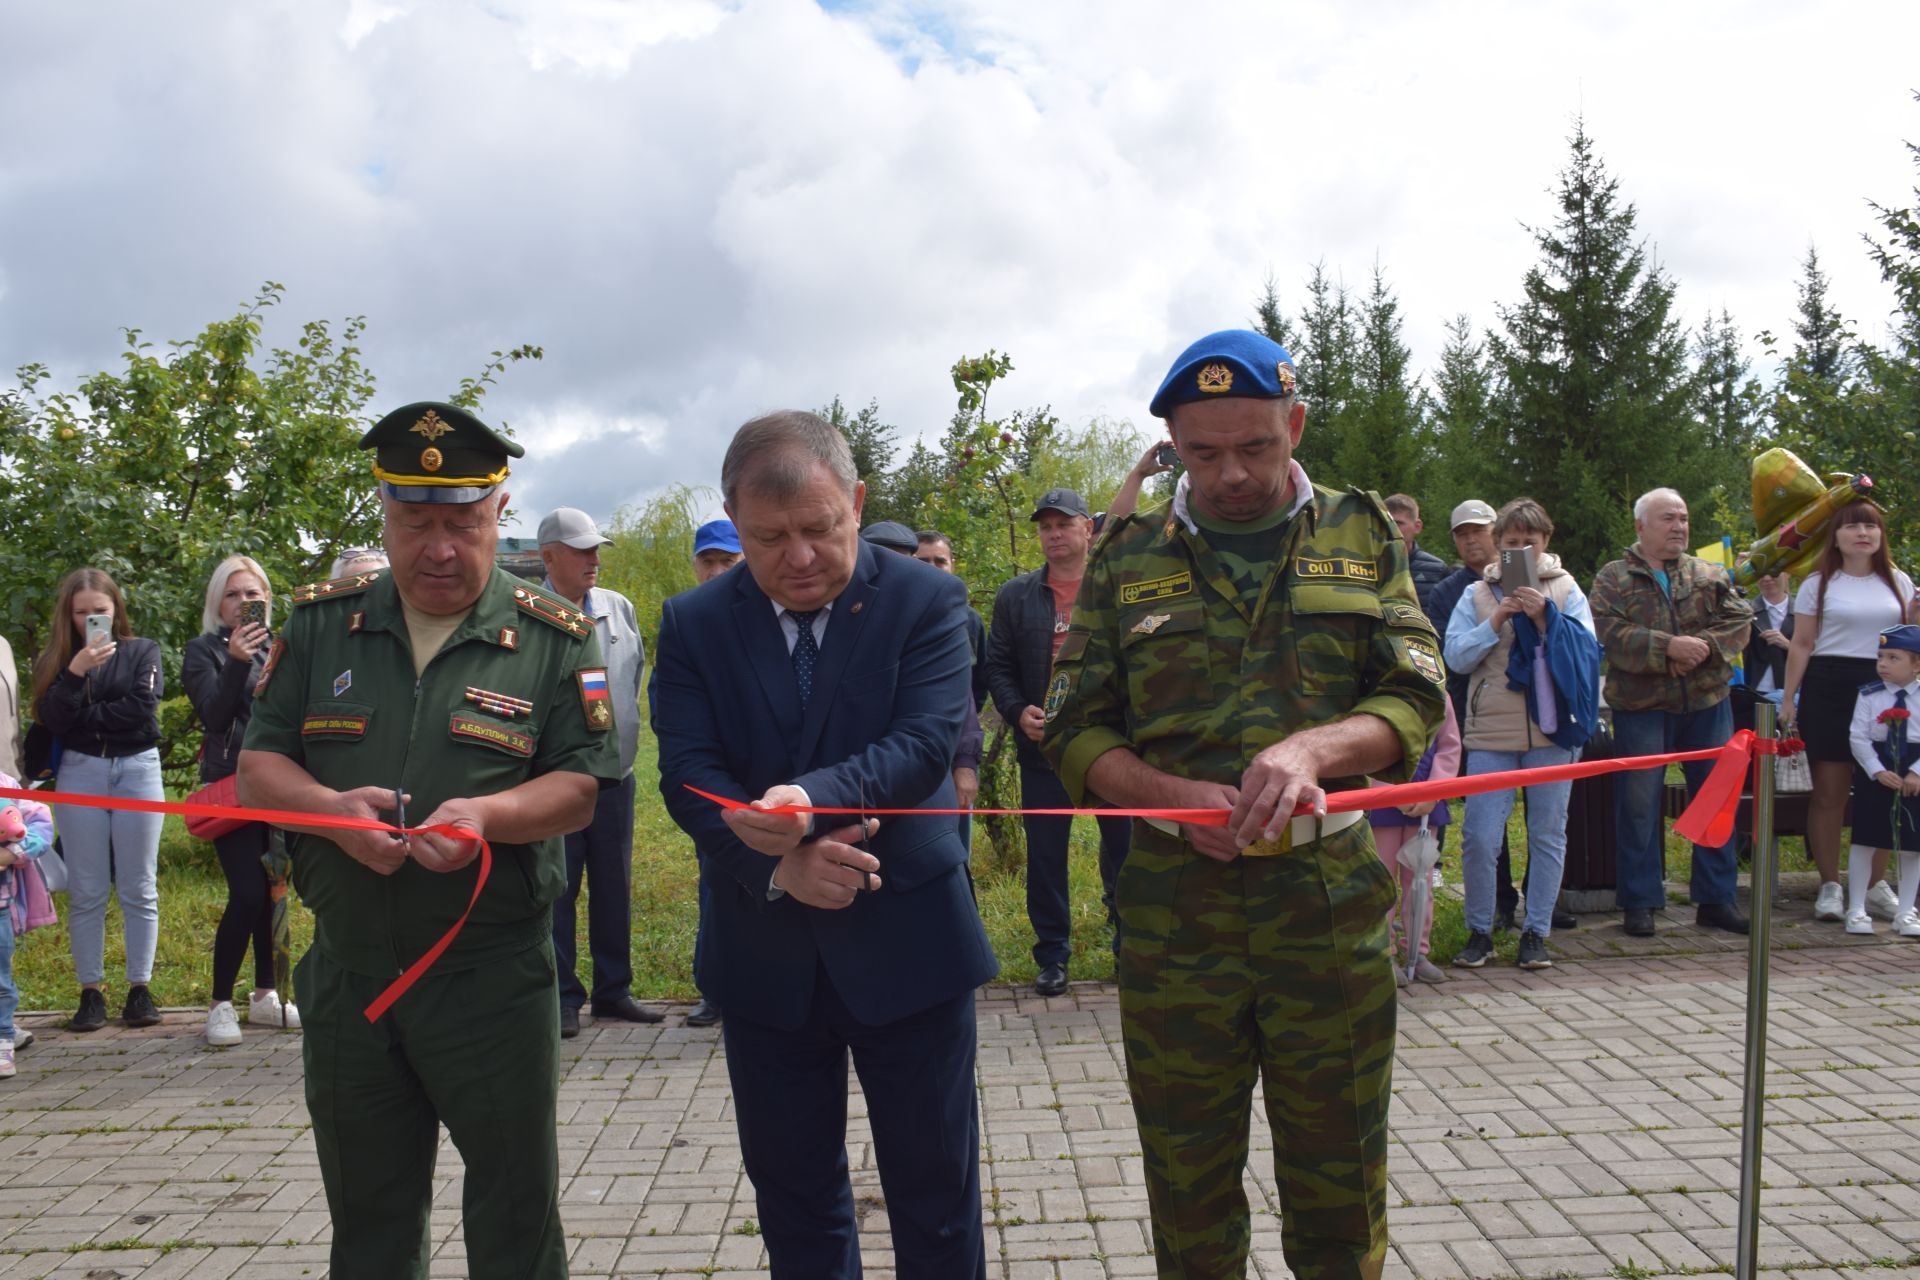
(716, 535)
(1905, 636)
(1232, 362)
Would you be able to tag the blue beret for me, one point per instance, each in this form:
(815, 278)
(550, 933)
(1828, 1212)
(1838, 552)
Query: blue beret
(1233, 362)
(1905, 636)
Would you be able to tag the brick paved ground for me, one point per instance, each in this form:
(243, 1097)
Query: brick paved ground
(1580, 1122)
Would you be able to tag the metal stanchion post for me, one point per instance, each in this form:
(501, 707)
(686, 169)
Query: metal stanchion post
(1754, 1088)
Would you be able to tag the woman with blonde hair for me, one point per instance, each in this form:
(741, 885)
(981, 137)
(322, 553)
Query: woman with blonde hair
(220, 669)
(97, 688)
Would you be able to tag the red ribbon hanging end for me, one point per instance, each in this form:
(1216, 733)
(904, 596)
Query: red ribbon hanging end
(1709, 820)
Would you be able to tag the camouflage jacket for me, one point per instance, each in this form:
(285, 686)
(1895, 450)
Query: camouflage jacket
(1166, 659)
(1635, 618)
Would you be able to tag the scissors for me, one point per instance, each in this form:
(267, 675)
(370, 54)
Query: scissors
(399, 815)
(866, 877)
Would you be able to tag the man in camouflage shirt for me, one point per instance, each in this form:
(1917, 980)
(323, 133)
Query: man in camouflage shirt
(1671, 625)
(1249, 647)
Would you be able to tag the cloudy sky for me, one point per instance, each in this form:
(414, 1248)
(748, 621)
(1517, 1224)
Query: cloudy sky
(705, 209)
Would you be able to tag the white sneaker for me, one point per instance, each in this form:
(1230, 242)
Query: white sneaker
(1827, 905)
(1439, 881)
(264, 1008)
(1907, 925)
(223, 1024)
(1882, 903)
(1862, 923)
(6, 1059)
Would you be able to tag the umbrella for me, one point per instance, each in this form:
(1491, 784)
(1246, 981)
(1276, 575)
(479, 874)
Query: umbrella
(1418, 855)
(277, 866)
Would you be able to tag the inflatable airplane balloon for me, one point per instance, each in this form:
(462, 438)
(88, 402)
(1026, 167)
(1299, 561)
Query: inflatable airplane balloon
(1792, 508)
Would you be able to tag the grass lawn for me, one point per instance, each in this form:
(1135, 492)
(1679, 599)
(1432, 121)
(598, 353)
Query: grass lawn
(193, 892)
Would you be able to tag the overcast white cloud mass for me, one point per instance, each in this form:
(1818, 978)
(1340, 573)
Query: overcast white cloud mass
(702, 210)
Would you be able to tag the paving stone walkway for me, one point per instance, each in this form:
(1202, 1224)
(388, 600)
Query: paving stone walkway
(1579, 1122)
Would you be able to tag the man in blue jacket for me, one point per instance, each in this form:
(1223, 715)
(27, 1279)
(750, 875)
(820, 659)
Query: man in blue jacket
(831, 675)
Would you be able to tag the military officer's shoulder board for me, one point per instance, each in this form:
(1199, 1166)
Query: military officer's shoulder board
(555, 612)
(352, 584)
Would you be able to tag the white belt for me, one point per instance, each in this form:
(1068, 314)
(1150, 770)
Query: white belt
(1304, 829)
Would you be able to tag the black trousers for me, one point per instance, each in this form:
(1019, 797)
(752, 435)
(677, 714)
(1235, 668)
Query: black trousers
(248, 915)
(1048, 907)
(790, 1097)
(603, 851)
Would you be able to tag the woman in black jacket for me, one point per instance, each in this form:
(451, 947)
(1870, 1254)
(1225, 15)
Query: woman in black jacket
(220, 669)
(101, 701)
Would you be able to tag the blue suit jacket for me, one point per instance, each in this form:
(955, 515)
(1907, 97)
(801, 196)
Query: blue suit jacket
(889, 696)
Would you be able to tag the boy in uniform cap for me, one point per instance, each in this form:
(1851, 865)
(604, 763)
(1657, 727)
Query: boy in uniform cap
(1886, 778)
(440, 692)
(1250, 646)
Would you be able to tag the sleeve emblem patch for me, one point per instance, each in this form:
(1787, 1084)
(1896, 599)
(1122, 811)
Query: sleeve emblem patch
(1057, 694)
(1426, 660)
(596, 701)
(274, 655)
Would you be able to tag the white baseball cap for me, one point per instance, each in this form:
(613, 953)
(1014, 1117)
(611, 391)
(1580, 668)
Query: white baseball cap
(1472, 511)
(573, 527)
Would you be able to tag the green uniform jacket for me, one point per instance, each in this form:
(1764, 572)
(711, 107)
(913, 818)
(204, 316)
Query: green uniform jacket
(1166, 660)
(339, 698)
(1635, 618)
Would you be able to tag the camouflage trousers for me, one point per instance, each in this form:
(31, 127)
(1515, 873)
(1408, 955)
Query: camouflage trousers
(1277, 967)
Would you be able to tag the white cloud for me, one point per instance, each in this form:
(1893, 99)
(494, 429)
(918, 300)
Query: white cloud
(706, 210)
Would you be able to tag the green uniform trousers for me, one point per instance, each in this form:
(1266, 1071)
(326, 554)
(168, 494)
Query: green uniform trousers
(1271, 966)
(476, 1049)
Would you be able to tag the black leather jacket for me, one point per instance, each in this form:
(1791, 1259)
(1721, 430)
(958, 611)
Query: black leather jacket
(113, 710)
(220, 687)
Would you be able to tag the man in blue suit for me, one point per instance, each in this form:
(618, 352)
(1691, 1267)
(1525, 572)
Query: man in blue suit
(828, 675)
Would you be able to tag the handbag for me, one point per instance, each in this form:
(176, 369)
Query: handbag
(226, 793)
(52, 866)
(1792, 774)
(40, 753)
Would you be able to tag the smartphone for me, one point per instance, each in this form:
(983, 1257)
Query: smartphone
(99, 629)
(253, 613)
(1167, 456)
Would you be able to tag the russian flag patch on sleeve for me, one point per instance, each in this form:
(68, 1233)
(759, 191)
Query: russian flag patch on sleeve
(596, 700)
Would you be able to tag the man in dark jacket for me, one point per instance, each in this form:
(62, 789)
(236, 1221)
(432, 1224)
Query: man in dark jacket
(935, 548)
(1428, 569)
(1031, 614)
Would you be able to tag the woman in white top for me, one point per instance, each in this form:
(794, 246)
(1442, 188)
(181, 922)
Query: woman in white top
(1839, 614)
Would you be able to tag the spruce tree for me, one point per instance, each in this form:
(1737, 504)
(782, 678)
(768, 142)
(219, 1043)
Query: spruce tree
(1327, 359)
(1597, 392)
(1470, 456)
(1379, 445)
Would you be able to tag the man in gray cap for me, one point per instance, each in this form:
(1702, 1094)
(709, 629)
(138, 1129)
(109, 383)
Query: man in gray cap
(1031, 614)
(570, 545)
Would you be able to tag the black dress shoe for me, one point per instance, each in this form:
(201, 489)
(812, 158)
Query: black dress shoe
(569, 1021)
(704, 1014)
(1052, 980)
(92, 1013)
(1564, 920)
(140, 1010)
(1639, 922)
(626, 1009)
(1721, 915)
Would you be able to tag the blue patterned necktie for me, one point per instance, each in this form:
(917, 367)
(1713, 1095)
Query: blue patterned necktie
(805, 651)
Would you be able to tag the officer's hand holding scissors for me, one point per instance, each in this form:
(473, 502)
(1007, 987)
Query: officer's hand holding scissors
(443, 853)
(1279, 781)
(376, 850)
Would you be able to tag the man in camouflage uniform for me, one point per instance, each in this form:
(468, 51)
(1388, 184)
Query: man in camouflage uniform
(1249, 647)
(479, 702)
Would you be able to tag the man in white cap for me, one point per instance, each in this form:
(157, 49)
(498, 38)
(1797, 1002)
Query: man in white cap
(570, 545)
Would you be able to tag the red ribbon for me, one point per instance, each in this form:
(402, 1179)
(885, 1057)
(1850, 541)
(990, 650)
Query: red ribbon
(1713, 808)
(291, 818)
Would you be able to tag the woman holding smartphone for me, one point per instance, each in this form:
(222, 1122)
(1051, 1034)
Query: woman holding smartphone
(220, 668)
(97, 687)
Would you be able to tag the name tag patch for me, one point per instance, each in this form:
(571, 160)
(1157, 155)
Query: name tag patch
(1338, 567)
(1174, 584)
(521, 744)
(334, 725)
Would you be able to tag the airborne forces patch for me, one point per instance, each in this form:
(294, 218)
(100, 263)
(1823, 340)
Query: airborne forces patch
(1057, 695)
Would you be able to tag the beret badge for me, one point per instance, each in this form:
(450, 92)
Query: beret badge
(1215, 379)
(1284, 372)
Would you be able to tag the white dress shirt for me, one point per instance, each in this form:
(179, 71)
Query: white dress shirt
(1867, 732)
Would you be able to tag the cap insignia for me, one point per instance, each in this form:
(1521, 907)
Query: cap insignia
(1216, 379)
(1284, 372)
(432, 426)
(430, 459)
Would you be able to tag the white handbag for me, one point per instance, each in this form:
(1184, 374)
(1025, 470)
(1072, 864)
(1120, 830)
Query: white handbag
(1792, 774)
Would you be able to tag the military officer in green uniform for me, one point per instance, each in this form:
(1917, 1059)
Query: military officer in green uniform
(1250, 646)
(481, 700)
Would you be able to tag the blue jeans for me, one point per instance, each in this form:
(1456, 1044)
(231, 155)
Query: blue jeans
(1486, 825)
(9, 994)
(1640, 869)
(604, 853)
(111, 849)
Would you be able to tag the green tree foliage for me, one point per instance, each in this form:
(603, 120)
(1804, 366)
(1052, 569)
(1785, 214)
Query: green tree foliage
(1730, 408)
(1466, 441)
(1596, 396)
(651, 556)
(1890, 376)
(1380, 442)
